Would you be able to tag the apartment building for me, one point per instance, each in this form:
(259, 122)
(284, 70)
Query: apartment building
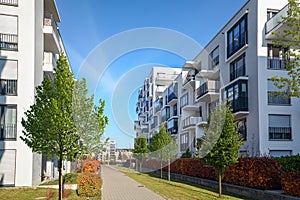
(150, 108)
(30, 43)
(236, 66)
(108, 151)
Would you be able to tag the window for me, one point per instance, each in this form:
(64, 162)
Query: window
(214, 57)
(237, 36)
(8, 121)
(275, 57)
(277, 96)
(242, 128)
(8, 32)
(237, 95)
(9, 2)
(184, 100)
(175, 110)
(238, 68)
(184, 141)
(165, 113)
(280, 127)
(271, 13)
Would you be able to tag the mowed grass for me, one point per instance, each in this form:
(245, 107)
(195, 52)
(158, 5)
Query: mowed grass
(175, 190)
(28, 193)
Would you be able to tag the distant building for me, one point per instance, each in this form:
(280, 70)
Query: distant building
(123, 154)
(108, 151)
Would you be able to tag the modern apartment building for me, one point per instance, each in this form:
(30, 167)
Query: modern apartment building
(236, 66)
(108, 153)
(150, 107)
(30, 43)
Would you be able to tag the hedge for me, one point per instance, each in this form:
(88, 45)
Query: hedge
(91, 166)
(289, 163)
(260, 173)
(291, 183)
(89, 184)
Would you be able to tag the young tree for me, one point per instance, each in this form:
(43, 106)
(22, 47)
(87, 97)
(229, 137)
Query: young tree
(290, 40)
(163, 147)
(89, 119)
(140, 149)
(225, 151)
(49, 126)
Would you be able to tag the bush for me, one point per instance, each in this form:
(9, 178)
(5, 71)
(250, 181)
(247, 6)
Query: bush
(91, 166)
(89, 184)
(70, 178)
(289, 163)
(291, 183)
(261, 173)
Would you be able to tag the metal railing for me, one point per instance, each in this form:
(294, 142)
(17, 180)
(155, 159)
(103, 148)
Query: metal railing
(191, 121)
(8, 41)
(209, 86)
(280, 133)
(8, 131)
(240, 71)
(9, 2)
(188, 78)
(8, 87)
(276, 63)
(276, 19)
(239, 104)
(172, 96)
(278, 98)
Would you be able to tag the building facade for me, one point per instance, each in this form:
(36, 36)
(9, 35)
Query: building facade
(30, 43)
(236, 66)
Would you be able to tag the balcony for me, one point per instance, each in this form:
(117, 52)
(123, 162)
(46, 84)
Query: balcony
(49, 63)
(188, 81)
(276, 63)
(8, 132)
(212, 73)
(53, 42)
(8, 42)
(191, 122)
(137, 125)
(280, 133)
(173, 126)
(163, 78)
(172, 98)
(239, 105)
(208, 91)
(275, 24)
(9, 2)
(8, 87)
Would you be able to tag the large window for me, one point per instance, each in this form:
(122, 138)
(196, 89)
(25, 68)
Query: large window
(237, 95)
(184, 141)
(238, 68)
(237, 36)
(280, 127)
(275, 57)
(214, 57)
(8, 121)
(184, 100)
(277, 96)
(242, 128)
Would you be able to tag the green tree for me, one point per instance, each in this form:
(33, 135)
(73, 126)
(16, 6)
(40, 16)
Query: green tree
(49, 126)
(163, 147)
(289, 39)
(140, 149)
(225, 151)
(89, 119)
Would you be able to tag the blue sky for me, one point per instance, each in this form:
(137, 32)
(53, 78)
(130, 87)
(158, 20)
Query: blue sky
(114, 44)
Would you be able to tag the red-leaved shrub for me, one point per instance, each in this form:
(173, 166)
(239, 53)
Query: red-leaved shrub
(89, 184)
(91, 166)
(291, 183)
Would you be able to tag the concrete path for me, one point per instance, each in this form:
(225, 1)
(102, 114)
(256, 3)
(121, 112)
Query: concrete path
(118, 186)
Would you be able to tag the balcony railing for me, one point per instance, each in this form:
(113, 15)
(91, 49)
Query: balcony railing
(166, 77)
(280, 133)
(278, 98)
(8, 42)
(209, 86)
(9, 2)
(276, 63)
(239, 104)
(8, 131)
(277, 19)
(188, 78)
(172, 96)
(191, 121)
(240, 71)
(8, 87)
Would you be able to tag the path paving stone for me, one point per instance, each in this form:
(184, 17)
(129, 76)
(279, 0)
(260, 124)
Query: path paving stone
(118, 186)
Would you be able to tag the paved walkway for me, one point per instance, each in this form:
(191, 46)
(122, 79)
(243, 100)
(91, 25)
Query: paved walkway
(118, 186)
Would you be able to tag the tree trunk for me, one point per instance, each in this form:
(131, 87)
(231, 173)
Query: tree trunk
(160, 169)
(141, 166)
(60, 181)
(220, 184)
(169, 170)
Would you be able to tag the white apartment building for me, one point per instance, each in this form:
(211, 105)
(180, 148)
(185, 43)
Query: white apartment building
(237, 65)
(150, 107)
(108, 151)
(30, 43)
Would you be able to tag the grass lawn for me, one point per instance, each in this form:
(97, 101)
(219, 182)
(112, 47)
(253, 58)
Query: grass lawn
(27, 193)
(68, 178)
(175, 190)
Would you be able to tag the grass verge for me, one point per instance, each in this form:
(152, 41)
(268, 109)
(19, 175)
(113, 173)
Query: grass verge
(175, 190)
(70, 178)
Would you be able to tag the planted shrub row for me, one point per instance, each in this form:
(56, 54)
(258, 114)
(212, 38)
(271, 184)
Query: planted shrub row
(291, 183)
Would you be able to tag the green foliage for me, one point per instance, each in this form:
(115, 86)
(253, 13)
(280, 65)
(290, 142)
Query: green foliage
(289, 163)
(187, 154)
(140, 148)
(89, 119)
(290, 39)
(89, 184)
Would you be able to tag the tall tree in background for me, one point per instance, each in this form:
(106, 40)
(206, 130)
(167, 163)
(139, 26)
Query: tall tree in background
(225, 151)
(290, 39)
(163, 147)
(140, 149)
(89, 119)
(49, 126)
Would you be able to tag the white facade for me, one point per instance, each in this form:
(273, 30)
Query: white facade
(236, 65)
(30, 44)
